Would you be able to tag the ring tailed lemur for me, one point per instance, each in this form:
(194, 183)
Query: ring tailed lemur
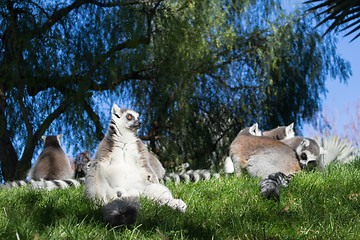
(261, 156)
(281, 132)
(52, 164)
(121, 172)
(264, 157)
(308, 152)
(51, 170)
(79, 164)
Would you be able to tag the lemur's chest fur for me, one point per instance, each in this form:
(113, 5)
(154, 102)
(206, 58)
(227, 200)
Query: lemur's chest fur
(124, 166)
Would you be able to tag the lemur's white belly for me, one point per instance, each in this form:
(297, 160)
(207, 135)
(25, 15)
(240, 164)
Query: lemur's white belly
(123, 171)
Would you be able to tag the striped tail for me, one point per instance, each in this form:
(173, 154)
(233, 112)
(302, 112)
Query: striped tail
(271, 185)
(45, 184)
(14, 184)
(190, 176)
(186, 177)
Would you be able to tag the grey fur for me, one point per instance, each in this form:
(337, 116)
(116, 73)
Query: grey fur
(52, 164)
(281, 132)
(308, 152)
(15, 184)
(251, 131)
(156, 165)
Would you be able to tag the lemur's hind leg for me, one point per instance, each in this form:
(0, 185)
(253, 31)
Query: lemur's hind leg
(163, 196)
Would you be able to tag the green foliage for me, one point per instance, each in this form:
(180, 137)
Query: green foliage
(315, 205)
(270, 70)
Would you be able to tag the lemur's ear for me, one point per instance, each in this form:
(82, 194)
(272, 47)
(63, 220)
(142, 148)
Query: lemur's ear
(254, 130)
(115, 109)
(59, 137)
(305, 143)
(289, 129)
(43, 138)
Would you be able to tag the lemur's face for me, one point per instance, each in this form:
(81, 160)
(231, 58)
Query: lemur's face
(124, 119)
(309, 154)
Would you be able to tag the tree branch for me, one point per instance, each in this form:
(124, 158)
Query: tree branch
(58, 15)
(29, 127)
(61, 13)
(128, 44)
(50, 118)
(96, 120)
(121, 79)
(119, 4)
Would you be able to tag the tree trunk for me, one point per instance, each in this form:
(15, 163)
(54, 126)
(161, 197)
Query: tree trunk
(8, 156)
(24, 164)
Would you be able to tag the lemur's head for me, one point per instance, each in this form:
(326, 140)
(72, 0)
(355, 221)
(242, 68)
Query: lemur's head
(251, 131)
(281, 132)
(309, 154)
(52, 140)
(124, 120)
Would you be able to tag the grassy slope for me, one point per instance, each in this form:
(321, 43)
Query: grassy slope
(315, 205)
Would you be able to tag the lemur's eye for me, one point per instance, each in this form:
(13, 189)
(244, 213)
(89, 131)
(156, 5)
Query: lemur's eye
(303, 156)
(129, 117)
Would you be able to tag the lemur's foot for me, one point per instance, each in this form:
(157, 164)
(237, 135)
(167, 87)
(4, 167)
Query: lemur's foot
(177, 204)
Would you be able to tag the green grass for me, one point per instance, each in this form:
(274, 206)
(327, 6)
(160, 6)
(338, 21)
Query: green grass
(314, 206)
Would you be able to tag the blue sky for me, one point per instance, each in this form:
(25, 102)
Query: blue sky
(343, 96)
(339, 103)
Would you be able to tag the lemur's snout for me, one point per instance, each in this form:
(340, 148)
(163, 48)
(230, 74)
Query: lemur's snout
(309, 164)
(312, 164)
(137, 124)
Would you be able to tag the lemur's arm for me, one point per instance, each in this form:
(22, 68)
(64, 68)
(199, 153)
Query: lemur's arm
(96, 185)
(144, 162)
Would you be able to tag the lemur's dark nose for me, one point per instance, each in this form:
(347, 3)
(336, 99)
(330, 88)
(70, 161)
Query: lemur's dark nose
(137, 124)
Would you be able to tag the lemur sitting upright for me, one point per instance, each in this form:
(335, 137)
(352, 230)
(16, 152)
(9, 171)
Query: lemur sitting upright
(121, 172)
(52, 164)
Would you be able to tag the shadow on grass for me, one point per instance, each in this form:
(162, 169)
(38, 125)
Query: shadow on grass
(41, 209)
